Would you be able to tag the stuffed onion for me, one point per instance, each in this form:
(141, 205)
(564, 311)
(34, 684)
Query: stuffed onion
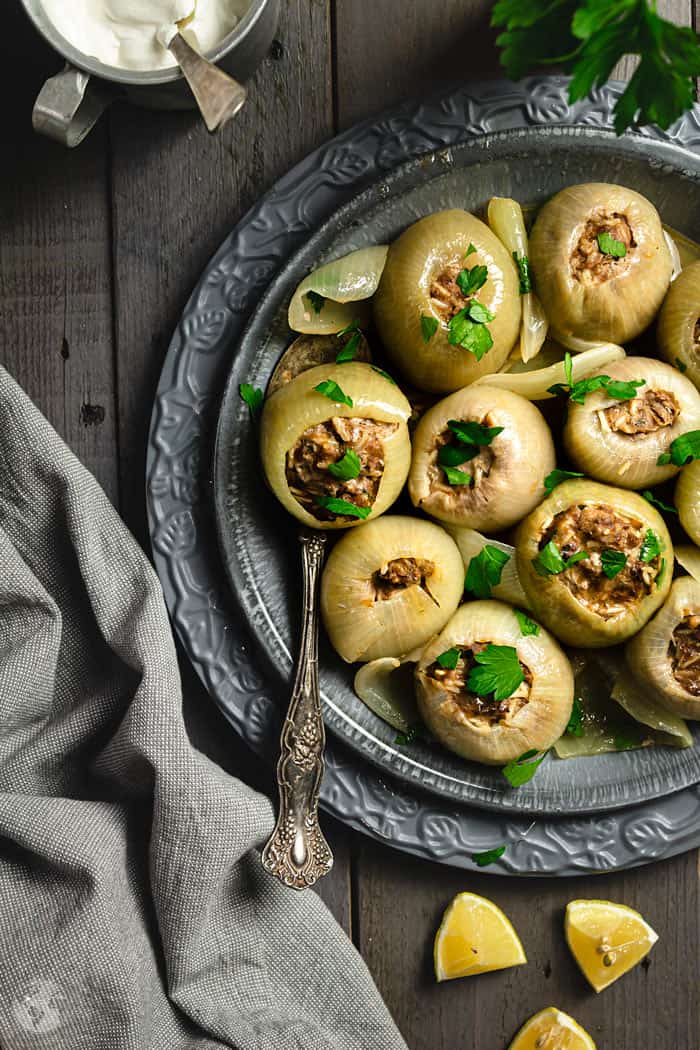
(687, 499)
(334, 444)
(496, 569)
(665, 656)
(389, 588)
(618, 432)
(480, 457)
(601, 263)
(448, 303)
(488, 715)
(679, 323)
(595, 562)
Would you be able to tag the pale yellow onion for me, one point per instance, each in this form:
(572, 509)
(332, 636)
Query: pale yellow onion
(679, 315)
(523, 456)
(343, 283)
(550, 354)
(297, 406)
(535, 385)
(616, 309)
(688, 557)
(507, 222)
(386, 687)
(687, 499)
(638, 701)
(630, 460)
(553, 603)
(361, 628)
(421, 254)
(648, 653)
(689, 251)
(471, 542)
(676, 264)
(536, 725)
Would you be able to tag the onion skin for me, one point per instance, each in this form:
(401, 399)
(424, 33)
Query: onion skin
(360, 629)
(297, 406)
(537, 725)
(534, 384)
(524, 455)
(346, 284)
(549, 596)
(624, 459)
(415, 258)
(687, 499)
(620, 308)
(647, 654)
(677, 320)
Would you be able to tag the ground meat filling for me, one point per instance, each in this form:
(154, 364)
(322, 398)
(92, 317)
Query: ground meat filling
(399, 574)
(652, 411)
(464, 705)
(447, 299)
(596, 528)
(478, 467)
(318, 447)
(684, 654)
(589, 265)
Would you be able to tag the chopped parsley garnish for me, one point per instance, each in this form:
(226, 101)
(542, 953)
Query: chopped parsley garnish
(349, 351)
(577, 391)
(342, 507)
(556, 477)
(523, 769)
(523, 264)
(346, 468)
(575, 724)
(415, 733)
(470, 335)
(661, 573)
(381, 372)
(252, 396)
(485, 570)
(476, 311)
(527, 626)
(428, 327)
(449, 659)
(471, 250)
(627, 739)
(330, 389)
(497, 672)
(612, 562)
(549, 562)
(650, 548)
(317, 301)
(681, 365)
(469, 433)
(682, 450)
(454, 455)
(354, 326)
(470, 281)
(610, 246)
(651, 498)
(455, 476)
(488, 856)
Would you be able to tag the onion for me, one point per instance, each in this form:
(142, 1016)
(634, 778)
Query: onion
(506, 220)
(386, 687)
(687, 499)
(638, 702)
(535, 385)
(343, 283)
(677, 321)
(688, 557)
(676, 263)
(470, 543)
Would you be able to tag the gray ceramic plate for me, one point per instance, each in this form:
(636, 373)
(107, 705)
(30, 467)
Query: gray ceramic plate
(464, 154)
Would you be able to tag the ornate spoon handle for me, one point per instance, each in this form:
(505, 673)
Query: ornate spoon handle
(297, 853)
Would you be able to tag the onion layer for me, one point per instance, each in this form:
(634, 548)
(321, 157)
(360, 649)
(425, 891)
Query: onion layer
(341, 284)
(534, 385)
(386, 687)
(679, 323)
(687, 499)
(471, 543)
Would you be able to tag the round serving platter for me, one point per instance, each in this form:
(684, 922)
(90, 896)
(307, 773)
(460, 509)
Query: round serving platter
(363, 187)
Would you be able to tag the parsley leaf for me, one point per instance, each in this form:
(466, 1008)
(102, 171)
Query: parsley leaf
(454, 455)
(627, 739)
(650, 548)
(449, 659)
(455, 476)
(479, 313)
(469, 433)
(342, 507)
(549, 562)
(428, 327)
(470, 335)
(497, 671)
(575, 723)
(488, 856)
(682, 450)
(612, 562)
(316, 301)
(610, 246)
(381, 372)
(349, 351)
(681, 365)
(415, 733)
(523, 264)
(556, 477)
(485, 570)
(330, 389)
(252, 396)
(527, 626)
(470, 281)
(354, 326)
(471, 250)
(620, 390)
(651, 498)
(346, 468)
(522, 770)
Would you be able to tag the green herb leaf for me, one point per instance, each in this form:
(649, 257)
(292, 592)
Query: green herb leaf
(428, 327)
(485, 570)
(455, 476)
(471, 250)
(415, 733)
(489, 856)
(470, 281)
(651, 498)
(661, 573)
(354, 326)
(346, 468)
(381, 372)
(523, 264)
(610, 246)
(478, 312)
(522, 770)
(627, 739)
(252, 396)
(681, 365)
(497, 671)
(556, 477)
(612, 562)
(621, 391)
(330, 389)
(454, 455)
(449, 659)
(549, 562)
(316, 301)
(527, 626)
(683, 450)
(473, 433)
(349, 351)
(575, 723)
(650, 548)
(342, 507)
(471, 336)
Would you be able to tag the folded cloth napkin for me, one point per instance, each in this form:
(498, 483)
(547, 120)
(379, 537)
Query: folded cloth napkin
(134, 911)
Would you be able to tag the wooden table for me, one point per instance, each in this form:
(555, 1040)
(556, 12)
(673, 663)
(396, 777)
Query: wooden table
(99, 249)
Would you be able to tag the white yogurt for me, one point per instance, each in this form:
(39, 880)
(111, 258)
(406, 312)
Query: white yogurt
(133, 34)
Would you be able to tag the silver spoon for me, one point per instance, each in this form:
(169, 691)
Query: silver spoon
(217, 94)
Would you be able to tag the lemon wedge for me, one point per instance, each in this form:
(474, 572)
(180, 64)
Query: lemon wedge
(475, 937)
(552, 1029)
(606, 939)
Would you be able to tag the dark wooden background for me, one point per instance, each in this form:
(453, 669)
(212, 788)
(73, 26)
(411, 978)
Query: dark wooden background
(99, 250)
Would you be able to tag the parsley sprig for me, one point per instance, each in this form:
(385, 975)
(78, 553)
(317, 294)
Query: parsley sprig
(525, 278)
(682, 450)
(524, 768)
(550, 561)
(330, 389)
(252, 396)
(485, 570)
(342, 507)
(577, 391)
(575, 725)
(497, 672)
(469, 438)
(556, 476)
(347, 467)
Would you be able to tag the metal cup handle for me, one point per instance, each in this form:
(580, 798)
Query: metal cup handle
(69, 105)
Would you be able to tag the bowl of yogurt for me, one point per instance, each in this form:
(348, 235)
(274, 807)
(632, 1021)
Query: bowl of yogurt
(119, 48)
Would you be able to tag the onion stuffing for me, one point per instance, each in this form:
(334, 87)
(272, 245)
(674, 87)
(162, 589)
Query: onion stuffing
(327, 299)
(679, 323)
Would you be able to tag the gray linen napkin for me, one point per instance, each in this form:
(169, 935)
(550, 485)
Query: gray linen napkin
(134, 912)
